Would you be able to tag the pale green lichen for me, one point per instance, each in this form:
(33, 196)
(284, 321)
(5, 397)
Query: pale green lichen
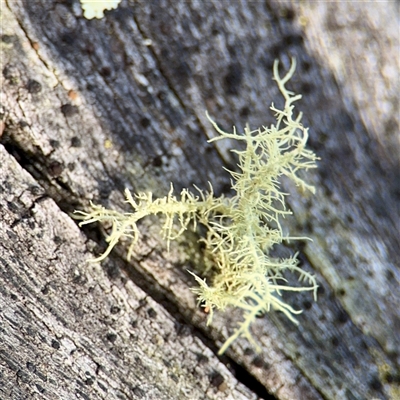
(95, 8)
(241, 230)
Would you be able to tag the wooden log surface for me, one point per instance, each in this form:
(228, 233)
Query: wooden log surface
(91, 107)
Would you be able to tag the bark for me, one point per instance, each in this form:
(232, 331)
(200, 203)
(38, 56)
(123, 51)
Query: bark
(91, 107)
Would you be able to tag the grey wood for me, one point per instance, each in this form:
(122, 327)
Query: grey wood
(72, 330)
(92, 107)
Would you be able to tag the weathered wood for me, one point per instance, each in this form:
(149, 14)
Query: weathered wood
(91, 107)
(72, 330)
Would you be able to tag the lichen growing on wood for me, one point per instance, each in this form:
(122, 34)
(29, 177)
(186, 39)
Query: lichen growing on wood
(95, 8)
(241, 230)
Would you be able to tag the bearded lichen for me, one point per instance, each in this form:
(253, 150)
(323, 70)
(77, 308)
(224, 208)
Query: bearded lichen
(241, 230)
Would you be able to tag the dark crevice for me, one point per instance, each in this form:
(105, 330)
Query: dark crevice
(40, 167)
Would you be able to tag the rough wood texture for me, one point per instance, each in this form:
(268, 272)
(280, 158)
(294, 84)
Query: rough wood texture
(92, 107)
(72, 330)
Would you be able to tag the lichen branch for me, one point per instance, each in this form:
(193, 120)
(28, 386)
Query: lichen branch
(241, 230)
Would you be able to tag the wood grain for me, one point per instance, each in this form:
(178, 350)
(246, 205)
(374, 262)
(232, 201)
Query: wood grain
(92, 107)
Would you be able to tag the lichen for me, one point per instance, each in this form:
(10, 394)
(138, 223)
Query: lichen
(95, 8)
(241, 230)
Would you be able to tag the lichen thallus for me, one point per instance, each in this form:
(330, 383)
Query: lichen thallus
(241, 230)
